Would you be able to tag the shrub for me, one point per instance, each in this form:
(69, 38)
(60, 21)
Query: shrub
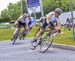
(4, 20)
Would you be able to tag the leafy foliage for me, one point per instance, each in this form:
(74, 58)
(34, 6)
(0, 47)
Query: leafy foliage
(13, 11)
(4, 19)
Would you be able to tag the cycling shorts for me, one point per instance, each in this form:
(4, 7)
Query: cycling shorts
(21, 24)
(44, 24)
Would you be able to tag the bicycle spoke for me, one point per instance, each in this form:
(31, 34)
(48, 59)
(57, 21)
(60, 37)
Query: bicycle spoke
(46, 42)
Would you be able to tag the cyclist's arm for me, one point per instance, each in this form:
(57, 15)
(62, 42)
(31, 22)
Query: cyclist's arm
(58, 25)
(27, 22)
(16, 22)
(48, 20)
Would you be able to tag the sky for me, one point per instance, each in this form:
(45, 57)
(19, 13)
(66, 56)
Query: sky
(4, 3)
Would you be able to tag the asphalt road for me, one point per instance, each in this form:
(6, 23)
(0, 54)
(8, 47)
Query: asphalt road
(21, 52)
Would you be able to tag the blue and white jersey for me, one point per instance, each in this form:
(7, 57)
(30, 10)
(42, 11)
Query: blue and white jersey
(32, 21)
(52, 17)
(30, 24)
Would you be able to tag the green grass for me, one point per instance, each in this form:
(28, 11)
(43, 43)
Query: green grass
(6, 34)
(65, 38)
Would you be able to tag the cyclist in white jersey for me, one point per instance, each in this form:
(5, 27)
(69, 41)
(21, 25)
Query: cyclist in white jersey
(30, 24)
(51, 20)
(22, 21)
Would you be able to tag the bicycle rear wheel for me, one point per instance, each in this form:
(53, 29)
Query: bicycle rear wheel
(22, 37)
(46, 43)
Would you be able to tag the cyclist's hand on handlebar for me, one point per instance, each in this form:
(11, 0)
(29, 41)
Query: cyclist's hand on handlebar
(16, 22)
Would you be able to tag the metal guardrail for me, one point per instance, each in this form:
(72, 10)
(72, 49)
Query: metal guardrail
(5, 27)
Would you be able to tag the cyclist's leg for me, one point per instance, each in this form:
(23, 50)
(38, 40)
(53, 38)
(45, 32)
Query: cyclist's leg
(34, 42)
(39, 33)
(16, 31)
(24, 30)
(18, 26)
(41, 30)
(37, 36)
(23, 33)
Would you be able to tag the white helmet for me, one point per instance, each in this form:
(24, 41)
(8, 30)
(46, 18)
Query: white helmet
(42, 19)
(58, 10)
(25, 15)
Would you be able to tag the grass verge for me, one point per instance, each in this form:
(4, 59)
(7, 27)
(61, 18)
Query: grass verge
(65, 38)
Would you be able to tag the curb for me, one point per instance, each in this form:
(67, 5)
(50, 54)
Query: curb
(62, 46)
(56, 45)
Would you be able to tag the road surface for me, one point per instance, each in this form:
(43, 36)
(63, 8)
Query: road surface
(21, 52)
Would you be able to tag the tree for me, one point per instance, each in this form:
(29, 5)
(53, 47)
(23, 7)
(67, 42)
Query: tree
(2, 19)
(13, 11)
(4, 13)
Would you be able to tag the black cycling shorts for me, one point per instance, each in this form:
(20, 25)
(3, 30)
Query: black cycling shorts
(21, 24)
(44, 24)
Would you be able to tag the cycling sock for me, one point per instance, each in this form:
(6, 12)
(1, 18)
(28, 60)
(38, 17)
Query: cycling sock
(35, 40)
(59, 31)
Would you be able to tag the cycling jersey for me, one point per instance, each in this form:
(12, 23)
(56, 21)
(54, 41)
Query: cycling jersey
(53, 20)
(22, 22)
(30, 24)
(52, 17)
(32, 21)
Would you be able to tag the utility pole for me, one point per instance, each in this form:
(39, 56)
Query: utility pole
(71, 9)
(21, 6)
(42, 13)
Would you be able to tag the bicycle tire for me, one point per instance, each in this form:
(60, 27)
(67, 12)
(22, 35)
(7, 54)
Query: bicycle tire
(45, 45)
(21, 37)
(13, 41)
(15, 38)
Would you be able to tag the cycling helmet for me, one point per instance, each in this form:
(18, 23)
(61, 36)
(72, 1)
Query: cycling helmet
(58, 10)
(42, 19)
(25, 15)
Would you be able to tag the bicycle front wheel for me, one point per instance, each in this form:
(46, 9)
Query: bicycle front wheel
(46, 43)
(15, 38)
(13, 41)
